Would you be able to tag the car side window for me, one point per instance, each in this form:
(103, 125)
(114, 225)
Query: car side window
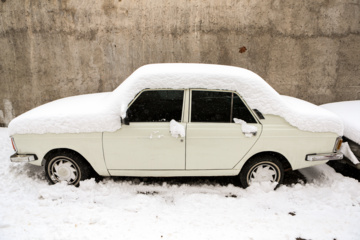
(157, 106)
(240, 110)
(210, 106)
(216, 106)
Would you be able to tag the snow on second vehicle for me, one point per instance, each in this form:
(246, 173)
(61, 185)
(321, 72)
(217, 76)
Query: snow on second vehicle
(327, 207)
(349, 112)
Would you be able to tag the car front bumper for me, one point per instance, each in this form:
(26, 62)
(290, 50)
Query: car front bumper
(324, 157)
(23, 157)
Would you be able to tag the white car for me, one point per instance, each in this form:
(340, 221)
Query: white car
(178, 120)
(349, 112)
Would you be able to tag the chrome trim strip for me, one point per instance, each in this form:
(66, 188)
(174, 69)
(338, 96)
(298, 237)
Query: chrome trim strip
(23, 157)
(231, 109)
(324, 156)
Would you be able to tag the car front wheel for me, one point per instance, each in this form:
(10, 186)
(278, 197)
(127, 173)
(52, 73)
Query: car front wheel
(68, 167)
(262, 169)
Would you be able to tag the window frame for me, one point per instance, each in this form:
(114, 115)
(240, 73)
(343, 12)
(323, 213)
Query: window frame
(257, 121)
(160, 89)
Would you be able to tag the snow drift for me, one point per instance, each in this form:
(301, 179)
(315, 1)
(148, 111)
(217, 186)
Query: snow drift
(102, 112)
(327, 207)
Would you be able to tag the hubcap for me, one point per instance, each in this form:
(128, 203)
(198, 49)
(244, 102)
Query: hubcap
(63, 169)
(263, 172)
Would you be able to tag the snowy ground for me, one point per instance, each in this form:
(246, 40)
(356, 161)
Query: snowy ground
(326, 207)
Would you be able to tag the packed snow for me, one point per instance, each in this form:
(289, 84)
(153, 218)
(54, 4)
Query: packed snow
(346, 150)
(349, 112)
(102, 112)
(326, 207)
(247, 130)
(176, 129)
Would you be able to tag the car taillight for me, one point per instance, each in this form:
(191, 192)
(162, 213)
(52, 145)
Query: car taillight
(338, 143)
(13, 144)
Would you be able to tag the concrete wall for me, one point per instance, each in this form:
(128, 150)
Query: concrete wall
(53, 49)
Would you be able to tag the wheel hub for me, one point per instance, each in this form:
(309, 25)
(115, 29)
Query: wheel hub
(263, 173)
(64, 173)
(64, 170)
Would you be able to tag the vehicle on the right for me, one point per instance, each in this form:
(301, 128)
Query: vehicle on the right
(349, 112)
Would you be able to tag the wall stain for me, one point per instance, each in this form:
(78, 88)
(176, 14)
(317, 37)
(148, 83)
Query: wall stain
(108, 7)
(242, 49)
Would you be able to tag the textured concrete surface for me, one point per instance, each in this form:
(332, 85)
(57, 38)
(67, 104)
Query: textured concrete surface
(53, 49)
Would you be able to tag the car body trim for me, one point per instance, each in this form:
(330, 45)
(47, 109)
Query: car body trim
(324, 156)
(23, 157)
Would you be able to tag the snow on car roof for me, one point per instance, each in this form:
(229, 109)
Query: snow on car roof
(257, 93)
(349, 112)
(92, 113)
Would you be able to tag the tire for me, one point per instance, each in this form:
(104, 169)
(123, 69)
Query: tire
(270, 167)
(67, 166)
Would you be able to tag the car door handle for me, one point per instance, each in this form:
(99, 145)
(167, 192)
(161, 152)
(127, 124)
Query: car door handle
(253, 133)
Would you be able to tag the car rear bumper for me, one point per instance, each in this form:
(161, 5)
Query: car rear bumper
(23, 157)
(324, 157)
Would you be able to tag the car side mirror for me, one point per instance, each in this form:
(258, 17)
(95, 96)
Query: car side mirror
(126, 120)
(259, 114)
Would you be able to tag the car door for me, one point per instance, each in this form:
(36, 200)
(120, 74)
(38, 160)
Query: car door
(213, 140)
(146, 143)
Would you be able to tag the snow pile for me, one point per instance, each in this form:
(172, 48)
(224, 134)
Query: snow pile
(84, 113)
(346, 150)
(328, 207)
(309, 116)
(176, 129)
(349, 112)
(98, 114)
(248, 130)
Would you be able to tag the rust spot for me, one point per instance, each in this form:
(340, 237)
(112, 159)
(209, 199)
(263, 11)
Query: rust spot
(242, 49)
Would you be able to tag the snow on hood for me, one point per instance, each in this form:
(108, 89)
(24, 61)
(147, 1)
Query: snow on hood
(349, 112)
(84, 113)
(101, 112)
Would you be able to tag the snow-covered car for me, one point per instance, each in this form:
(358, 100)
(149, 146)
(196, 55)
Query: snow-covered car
(178, 120)
(349, 112)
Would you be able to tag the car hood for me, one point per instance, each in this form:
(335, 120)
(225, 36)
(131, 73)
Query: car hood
(84, 113)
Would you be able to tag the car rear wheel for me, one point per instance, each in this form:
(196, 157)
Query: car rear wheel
(262, 169)
(68, 167)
